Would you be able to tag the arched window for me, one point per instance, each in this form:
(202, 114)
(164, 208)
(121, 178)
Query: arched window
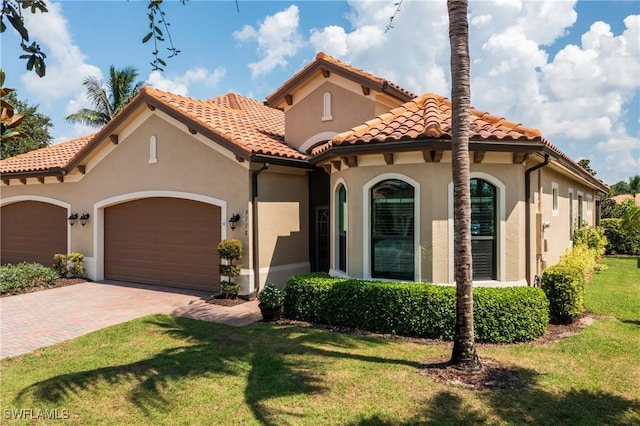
(326, 107)
(392, 230)
(483, 229)
(341, 221)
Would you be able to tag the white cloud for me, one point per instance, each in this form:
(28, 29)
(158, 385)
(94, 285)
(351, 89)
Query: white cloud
(578, 98)
(277, 37)
(409, 54)
(66, 65)
(179, 84)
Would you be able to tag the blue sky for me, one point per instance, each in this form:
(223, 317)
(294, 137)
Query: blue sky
(571, 69)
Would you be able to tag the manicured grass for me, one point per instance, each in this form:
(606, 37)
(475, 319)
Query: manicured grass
(617, 291)
(165, 370)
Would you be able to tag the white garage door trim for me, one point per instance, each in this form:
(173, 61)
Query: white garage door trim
(20, 198)
(95, 266)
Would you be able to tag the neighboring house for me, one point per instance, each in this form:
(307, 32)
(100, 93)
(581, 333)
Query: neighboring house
(314, 188)
(624, 197)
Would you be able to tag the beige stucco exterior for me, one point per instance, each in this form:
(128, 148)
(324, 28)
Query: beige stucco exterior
(556, 238)
(324, 107)
(283, 224)
(187, 166)
(433, 188)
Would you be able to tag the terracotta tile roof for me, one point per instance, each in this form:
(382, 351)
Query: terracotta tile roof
(324, 61)
(429, 117)
(244, 122)
(623, 197)
(55, 156)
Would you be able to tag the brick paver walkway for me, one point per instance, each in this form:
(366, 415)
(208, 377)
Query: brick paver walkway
(34, 320)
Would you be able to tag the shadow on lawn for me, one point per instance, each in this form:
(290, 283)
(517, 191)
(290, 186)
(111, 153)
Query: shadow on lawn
(282, 362)
(526, 404)
(285, 361)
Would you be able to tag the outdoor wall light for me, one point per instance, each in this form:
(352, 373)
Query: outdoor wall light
(233, 221)
(72, 218)
(84, 218)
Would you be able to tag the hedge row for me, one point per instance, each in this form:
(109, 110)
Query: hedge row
(620, 239)
(501, 315)
(564, 283)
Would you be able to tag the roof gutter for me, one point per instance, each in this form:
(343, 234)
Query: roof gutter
(254, 225)
(527, 215)
(280, 161)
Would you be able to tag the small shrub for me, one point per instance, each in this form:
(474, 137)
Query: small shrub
(19, 278)
(582, 258)
(229, 251)
(69, 265)
(271, 296)
(564, 286)
(414, 309)
(592, 237)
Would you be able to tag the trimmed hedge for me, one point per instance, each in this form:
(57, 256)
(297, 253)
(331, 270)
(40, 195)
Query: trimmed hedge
(501, 315)
(564, 286)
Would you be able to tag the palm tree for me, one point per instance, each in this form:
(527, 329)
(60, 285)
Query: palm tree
(464, 352)
(634, 184)
(109, 99)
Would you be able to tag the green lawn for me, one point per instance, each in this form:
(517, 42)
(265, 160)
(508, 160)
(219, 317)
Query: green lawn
(165, 370)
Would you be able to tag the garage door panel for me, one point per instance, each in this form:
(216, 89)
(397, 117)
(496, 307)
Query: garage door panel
(163, 241)
(32, 231)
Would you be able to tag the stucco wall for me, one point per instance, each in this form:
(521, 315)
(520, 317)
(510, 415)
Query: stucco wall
(184, 165)
(283, 221)
(304, 119)
(556, 239)
(436, 223)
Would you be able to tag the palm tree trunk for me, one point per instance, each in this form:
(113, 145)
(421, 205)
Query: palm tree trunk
(464, 352)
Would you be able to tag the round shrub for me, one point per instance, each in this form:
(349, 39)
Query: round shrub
(564, 287)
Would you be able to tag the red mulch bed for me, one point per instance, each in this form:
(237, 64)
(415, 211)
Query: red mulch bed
(227, 302)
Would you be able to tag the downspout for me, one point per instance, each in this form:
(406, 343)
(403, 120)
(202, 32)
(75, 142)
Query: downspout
(254, 225)
(527, 189)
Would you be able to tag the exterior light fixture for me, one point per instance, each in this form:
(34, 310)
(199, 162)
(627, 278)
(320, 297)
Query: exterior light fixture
(72, 218)
(233, 221)
(84, 218)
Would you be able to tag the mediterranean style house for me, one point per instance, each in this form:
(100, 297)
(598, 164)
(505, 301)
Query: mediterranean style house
(338, 170)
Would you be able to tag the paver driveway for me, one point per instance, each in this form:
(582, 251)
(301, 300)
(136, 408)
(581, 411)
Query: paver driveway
(33, 320)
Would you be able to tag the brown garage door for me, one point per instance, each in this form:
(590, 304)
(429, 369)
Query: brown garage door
(163, 241)
(32, 231)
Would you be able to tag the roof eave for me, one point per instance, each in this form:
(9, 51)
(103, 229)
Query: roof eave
(421, 144)
(52, 171)
(380, 85)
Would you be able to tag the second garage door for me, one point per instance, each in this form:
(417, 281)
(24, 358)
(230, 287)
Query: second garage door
(163, 241)
(32, 231)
